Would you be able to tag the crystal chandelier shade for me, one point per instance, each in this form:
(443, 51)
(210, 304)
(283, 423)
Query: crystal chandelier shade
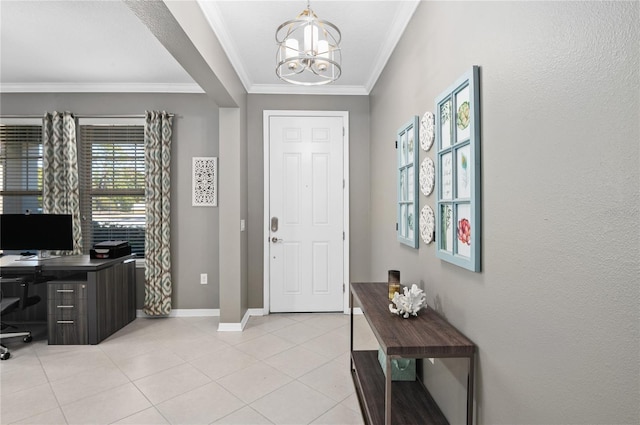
(308, 50)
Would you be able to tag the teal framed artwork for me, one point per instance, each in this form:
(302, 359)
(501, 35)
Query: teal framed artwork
(458, 224)
(407, 146)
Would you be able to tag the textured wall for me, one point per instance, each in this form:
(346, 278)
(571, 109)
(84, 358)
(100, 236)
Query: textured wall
(554, 312)
(194, 230)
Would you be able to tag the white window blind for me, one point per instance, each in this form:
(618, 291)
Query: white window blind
(112, 184)
(20, 168)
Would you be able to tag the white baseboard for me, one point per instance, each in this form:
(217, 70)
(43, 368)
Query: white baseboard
(230, 327)
(239, 327)
(256, 312)
(215, 312)
(185, 312)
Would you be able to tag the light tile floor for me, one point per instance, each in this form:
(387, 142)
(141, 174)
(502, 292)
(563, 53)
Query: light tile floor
(282, 369)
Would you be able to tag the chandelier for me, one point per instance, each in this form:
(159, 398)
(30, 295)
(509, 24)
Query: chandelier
(308, 50)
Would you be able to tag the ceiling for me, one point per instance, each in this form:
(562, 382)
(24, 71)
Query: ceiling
(101, 46)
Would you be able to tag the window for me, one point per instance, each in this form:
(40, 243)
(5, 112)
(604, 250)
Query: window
(20, 168)
(112, 184)
(111, 168)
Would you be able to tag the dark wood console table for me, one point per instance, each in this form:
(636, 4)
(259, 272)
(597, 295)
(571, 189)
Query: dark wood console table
(382, 400)
(87, 299)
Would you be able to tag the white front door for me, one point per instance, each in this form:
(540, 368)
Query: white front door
(306, 215)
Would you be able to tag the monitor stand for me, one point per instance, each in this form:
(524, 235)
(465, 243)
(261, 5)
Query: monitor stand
(45, 254)
(42, 254)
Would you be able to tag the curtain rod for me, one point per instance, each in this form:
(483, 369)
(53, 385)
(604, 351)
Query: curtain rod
(81, 116)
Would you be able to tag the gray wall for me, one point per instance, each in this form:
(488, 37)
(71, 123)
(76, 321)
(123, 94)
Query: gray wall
(554, 312)
(244, 206)
(232, 202)
(194, 230)
(360, 196)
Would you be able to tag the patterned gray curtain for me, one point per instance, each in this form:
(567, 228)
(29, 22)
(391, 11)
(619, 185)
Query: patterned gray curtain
(60, 191)
(157, 151)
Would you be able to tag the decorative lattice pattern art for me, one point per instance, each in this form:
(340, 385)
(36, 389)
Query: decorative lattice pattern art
(205, 182)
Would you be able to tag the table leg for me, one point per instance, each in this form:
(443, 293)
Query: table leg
(351, 333)
(470, 385)
(387, 393)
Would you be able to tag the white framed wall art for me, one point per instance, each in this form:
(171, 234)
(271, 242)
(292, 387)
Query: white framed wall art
(204, 182)
(458, 234)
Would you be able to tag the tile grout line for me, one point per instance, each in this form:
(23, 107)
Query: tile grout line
(55, 396)
(158, 331)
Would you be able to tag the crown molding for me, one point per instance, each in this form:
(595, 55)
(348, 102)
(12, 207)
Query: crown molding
(329, 89)
(394, 33)
(214, 17)
(100, 88)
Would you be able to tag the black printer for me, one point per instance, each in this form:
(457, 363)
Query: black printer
(110, 249)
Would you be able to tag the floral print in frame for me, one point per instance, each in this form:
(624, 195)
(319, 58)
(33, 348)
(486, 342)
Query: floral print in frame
(458, 221)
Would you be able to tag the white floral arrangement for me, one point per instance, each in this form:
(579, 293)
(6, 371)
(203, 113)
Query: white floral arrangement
(408, 303)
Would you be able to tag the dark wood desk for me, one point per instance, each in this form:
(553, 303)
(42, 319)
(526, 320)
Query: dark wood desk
(87, 300)
(427, 335)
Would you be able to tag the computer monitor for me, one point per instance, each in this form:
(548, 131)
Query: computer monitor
(37, 232)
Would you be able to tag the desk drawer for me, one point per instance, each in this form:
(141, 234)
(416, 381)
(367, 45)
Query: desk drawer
(67, 310)
(67, 292)
(71, 331)
(67, 313)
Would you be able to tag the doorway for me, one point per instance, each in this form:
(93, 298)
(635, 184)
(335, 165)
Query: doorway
(306, 213)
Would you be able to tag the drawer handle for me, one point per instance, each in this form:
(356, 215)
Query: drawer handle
(65, 322)
(65, 306)
(65, 290)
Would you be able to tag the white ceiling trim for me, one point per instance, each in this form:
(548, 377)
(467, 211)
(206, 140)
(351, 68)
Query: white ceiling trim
(328, 89)
(396, 29)
(100, 88)
(214, 17)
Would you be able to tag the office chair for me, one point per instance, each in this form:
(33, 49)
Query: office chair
(9, 304)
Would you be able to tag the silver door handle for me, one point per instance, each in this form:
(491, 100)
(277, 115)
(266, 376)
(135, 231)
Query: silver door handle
(275, 240)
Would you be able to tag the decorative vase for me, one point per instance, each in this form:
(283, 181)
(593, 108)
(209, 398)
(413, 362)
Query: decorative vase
(394, 283)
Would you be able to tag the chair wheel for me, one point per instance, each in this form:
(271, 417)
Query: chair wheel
(28, 338)
(5, 356)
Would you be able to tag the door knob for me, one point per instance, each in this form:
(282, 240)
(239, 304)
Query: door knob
(274, 239)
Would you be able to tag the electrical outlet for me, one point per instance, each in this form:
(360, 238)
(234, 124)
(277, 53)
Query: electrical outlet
(203, 278)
